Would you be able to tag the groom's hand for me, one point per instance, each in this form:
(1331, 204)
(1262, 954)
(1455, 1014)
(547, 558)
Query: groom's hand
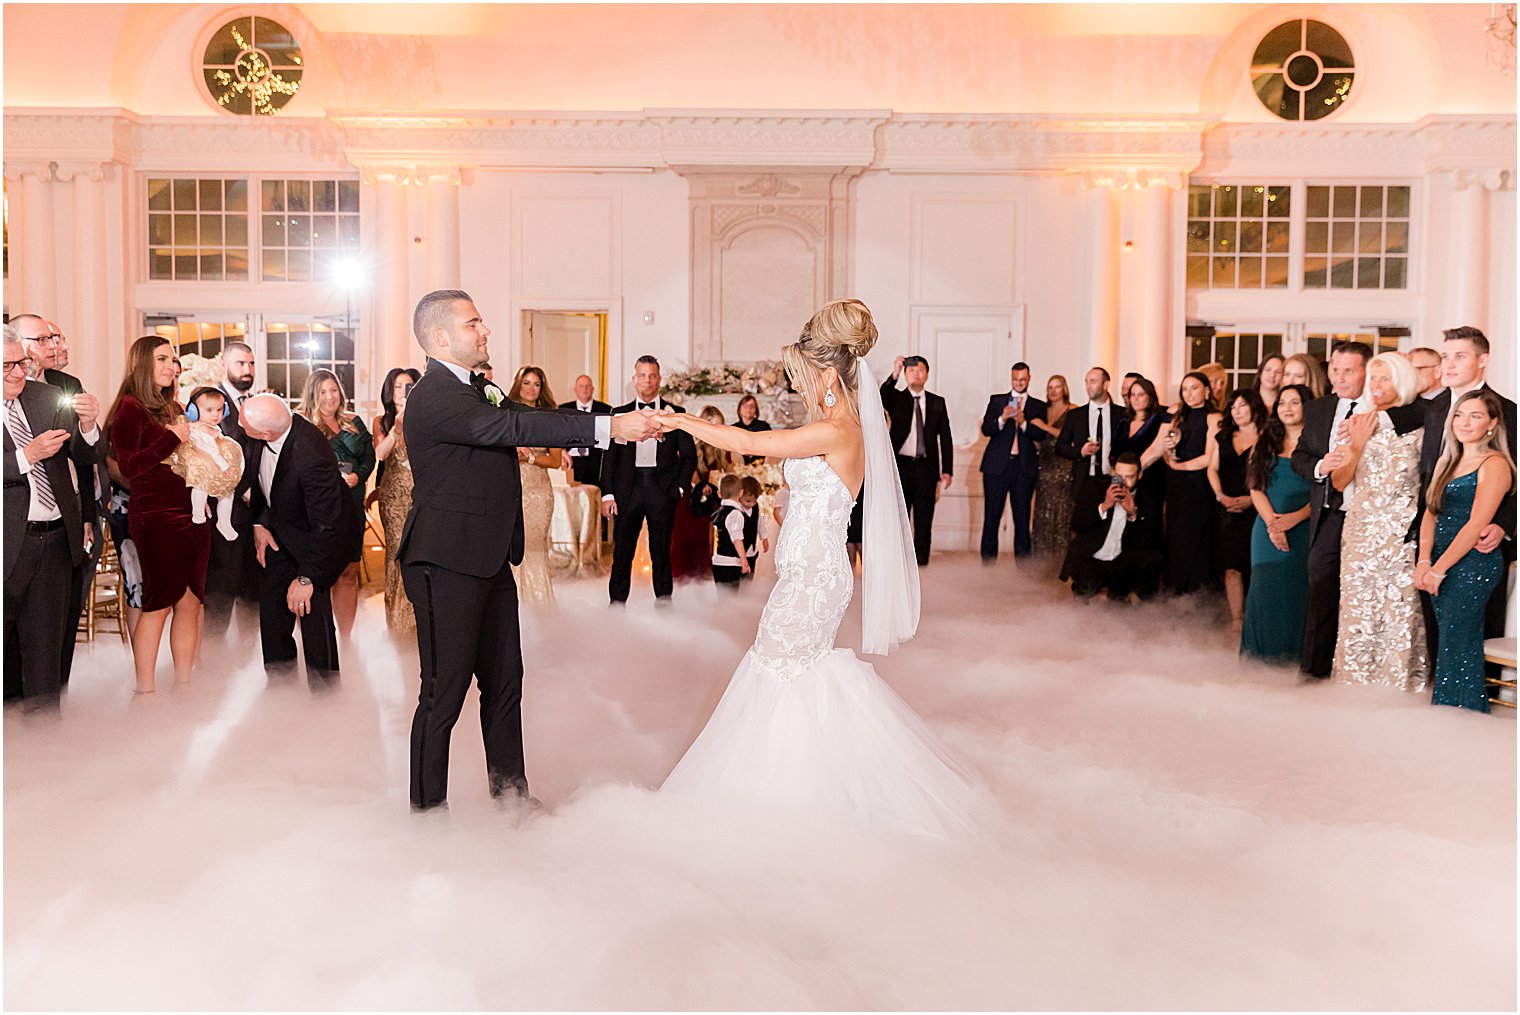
(635, 426)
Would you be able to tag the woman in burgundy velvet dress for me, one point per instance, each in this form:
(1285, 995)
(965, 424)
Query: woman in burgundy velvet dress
(144, 427)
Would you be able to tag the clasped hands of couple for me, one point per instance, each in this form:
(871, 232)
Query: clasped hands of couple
(642, 424)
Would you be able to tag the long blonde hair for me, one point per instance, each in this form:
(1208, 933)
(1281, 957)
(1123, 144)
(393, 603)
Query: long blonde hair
(308, 407)
(1451, 456)
(1314, 374)
(709, 457)
(837, 335)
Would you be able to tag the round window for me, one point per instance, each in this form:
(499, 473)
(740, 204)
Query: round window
(1302, 70)
(252, 66)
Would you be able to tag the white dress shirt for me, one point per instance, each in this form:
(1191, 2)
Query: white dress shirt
(1343, 411)
(268, 463)
(734, 526)
(909, 447)
(646, 453)
(1107, 409)
(35, 511)
(1114, 544)
(580, 452)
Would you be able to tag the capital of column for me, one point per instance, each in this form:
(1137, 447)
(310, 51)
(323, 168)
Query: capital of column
(1485, 179)
(94, 172)
(1133, 179)
(16, 171)
(411, 175)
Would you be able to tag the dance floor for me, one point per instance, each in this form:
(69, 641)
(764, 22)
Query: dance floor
(1174, 829)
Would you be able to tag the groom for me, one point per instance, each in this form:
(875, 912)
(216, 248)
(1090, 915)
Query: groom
(464, 528)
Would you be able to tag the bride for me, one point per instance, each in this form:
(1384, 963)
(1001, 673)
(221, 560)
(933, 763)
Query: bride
(803, 722)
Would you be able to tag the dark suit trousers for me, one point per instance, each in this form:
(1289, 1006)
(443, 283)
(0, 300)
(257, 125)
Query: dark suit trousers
(465, 626)
(1018, 489)
(1137, 571)
(919, 483)
(227, 579)
(645, 503)
(37, 596)
(587, 469)
(83, 575)
(319, 637)
(1322, 624)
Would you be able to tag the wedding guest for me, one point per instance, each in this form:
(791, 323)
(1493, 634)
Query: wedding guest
(394, 489)
(1474, 475)
(1051, 518)
(1301, 368)
(1464, 368)
(1269, 379)
(691, 538)
(1011, 462)
(1235, 516)
(1381, 636)
(1125, 383)
(324, 404)
(306, 521)
(586, 463)
(1219, 380)
(1427, 368)
(534, 584)
(145, 426)
(749, 499)
(729, 561)
(213, 479)
(749, 419)
(1144, 434)
(1087, 434)
(1321, 449)
(642, 483)
(1116, 540)
(50, 516)
(1190, 501)
(920, 432)
(1278, 596)
(232, 577)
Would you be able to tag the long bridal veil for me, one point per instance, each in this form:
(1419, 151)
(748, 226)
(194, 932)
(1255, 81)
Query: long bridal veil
(890, 604)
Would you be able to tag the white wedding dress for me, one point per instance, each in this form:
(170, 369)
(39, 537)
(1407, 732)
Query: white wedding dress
(805, 723)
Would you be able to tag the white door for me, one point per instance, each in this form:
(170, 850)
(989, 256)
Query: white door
(566, 344)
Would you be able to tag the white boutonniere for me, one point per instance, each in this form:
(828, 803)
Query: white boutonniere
(495, 395)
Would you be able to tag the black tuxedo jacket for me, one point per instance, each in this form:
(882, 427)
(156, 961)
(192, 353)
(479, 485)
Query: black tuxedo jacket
(998, 456)
(310, 511)
(42, 405)
(675, 462)
(466, 511)
(71, 386)
(1315, 443)
(1436, 410)
(1074, 434)
(937, 444)
(588, 467)
(1090, 531)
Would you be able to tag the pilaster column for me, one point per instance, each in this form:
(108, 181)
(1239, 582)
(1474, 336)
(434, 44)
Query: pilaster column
(442, 237)
(85, 322)
(387, 249)
(32, 283)
(1103, 268)
(1154, 261)
(1468, 259)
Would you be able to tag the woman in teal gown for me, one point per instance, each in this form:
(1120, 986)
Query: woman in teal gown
(1278, 597)
(1471, 479)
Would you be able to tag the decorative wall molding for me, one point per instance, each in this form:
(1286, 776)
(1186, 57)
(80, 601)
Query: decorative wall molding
(1434, 144)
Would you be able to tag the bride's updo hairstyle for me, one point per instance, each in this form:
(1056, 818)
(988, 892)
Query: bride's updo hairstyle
(839, 333)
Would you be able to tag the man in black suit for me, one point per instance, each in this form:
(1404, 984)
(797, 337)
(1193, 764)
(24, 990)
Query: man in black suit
(1321, 449)
(305, 521)
(1011, 461)
(464, 531)
(1087, 433)
(233, 572)
(1116, 542)
(643, 482)
(586, 463)
(50, 516)
(47, 348)
(1464, 368)
(921, 434)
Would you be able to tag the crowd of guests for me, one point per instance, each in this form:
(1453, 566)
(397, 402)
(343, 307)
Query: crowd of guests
(1358, 519)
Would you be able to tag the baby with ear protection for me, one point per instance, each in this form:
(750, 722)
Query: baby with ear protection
(211, 464)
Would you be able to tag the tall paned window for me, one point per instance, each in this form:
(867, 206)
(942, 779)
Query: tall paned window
(198, 230)
(307, 226)
(293, 351)
(1357, 237)
(1237, 236)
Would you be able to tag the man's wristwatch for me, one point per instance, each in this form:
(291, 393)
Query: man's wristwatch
(303, 580)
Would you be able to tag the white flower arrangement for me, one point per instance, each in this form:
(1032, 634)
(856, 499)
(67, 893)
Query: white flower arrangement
(199, 371)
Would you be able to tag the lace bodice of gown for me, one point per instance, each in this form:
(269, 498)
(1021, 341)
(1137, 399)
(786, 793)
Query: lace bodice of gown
(814, 580)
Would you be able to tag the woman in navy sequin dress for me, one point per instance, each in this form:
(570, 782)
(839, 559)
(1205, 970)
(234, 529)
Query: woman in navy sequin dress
(1471, 479)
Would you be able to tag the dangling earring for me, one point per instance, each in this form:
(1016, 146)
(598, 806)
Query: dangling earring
(828, 397)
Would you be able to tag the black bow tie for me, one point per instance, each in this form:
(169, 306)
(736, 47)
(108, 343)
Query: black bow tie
(645, 405)
(479, 380)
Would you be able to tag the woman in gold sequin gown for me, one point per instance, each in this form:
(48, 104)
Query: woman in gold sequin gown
(394, 490)
(1382, 628)
(1052, 492)
(534, 585)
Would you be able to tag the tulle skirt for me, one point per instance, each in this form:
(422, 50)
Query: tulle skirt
(833, 737)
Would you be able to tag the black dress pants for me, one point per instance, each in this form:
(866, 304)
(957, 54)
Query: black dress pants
(466, 626)
(319, 636)
(83, 575)
(1322, 622)
(646, 502)
(227, 579)
(37, 593)
(919, 483)
(1017, 488)
(1137, 571)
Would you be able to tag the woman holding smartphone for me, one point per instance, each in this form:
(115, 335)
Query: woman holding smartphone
(393, 489)
(325, 403)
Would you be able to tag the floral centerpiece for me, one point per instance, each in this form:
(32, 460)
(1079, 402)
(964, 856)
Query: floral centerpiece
(198, 371)
(762, 377)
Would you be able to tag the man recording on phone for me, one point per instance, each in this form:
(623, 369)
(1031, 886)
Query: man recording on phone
(1116, 536)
